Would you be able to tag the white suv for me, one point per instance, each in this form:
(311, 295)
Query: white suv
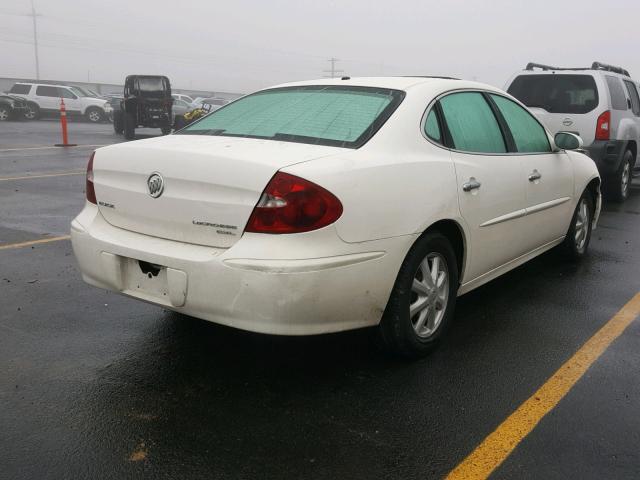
(600, 104)
(43, 98)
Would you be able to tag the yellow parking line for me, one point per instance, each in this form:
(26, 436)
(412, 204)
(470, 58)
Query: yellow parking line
(503, 440)
(27, 177)
(34, 242)
(43, 148)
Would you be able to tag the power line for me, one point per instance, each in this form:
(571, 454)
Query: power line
(334, 70)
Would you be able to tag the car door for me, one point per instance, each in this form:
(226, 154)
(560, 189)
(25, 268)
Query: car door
(71, 101)
(47, 97)
(549, 175)
(490, 182)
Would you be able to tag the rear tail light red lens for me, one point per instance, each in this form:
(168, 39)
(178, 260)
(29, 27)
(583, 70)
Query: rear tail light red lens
(90, 189)
(603, 126)
(291, 204)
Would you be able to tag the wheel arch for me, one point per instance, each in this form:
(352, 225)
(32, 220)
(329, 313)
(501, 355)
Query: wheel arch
(455, 233)
(633, 146)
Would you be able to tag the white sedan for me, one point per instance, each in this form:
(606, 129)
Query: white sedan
(323, 206)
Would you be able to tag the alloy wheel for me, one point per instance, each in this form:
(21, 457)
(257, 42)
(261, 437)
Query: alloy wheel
(94, 116)
(429, 295)
(626, 177)
(4, 114)
(581, 229)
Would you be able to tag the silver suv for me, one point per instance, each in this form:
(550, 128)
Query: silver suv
(600, 104)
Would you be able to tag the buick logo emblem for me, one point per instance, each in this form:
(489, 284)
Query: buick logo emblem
(155, 183)
(567, 122)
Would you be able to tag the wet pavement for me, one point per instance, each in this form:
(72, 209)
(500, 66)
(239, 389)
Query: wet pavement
(96, 385)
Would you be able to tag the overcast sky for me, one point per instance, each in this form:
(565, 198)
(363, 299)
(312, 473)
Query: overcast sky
(243, 45)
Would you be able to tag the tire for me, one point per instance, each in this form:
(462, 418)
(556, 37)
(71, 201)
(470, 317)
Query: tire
(118, 123)
(576, 243)
(414, 337)
(94, 115)
(179, 122)
(617, 187)
(129, 126)
(5, 113)
(33, 112)
(166, 130)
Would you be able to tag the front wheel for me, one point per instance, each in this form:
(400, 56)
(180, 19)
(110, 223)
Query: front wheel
(94, 115)
(578, 237)
(422, 302)
(166, 129)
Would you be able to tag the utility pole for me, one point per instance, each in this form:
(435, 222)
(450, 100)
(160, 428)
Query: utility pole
(333, 71)
(35, 38)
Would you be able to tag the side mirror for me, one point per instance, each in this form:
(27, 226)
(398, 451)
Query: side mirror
(568, 141)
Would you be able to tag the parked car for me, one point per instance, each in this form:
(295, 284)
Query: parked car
(600, 103)
(323, 206)
(147, 102)
(42, 98)
(182, 97)
(12, 107)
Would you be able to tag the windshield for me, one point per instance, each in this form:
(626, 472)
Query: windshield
(556, 93)
(79, 91)
(341, 116)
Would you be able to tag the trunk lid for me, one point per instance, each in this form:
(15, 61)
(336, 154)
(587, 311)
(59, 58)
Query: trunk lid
(210, 184)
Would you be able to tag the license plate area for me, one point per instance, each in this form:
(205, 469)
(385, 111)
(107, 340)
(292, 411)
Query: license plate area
(147, 278)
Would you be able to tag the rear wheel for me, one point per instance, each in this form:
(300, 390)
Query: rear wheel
(422, 302)
(33, 111)
(617, 187)
(129, 126)
(5, 113)
(118, 123)
(578, 237)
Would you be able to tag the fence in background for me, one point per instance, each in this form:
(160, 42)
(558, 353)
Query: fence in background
(105, 88)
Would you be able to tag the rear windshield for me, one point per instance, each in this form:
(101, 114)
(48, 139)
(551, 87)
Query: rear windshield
(151, 86)
(556, 93)
(342, 116)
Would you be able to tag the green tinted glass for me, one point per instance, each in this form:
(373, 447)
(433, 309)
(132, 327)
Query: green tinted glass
(431, 127)
(472, 124)
(340, 116)
(526, 131)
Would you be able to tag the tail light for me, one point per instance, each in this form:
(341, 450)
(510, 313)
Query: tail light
(602, 126)
(90, 189)
(291, 204)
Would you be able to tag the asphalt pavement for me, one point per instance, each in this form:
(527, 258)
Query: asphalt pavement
(96, 385)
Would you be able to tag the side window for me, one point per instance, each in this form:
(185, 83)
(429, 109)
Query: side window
(618, 99)
(64, 93)
(633, 95)
(431, 127)
(472, 124)
(43, 91)
(527, 132)
(20, 88)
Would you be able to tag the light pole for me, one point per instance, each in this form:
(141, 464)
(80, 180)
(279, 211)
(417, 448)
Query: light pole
(35, 38)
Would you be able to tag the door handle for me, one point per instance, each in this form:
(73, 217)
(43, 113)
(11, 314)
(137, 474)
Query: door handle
(472, 184)
(535, 175)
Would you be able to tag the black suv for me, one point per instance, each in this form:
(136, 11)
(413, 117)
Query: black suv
(147, 102)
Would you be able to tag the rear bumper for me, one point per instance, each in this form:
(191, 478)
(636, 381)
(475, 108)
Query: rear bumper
(607, 155)
(285, 296)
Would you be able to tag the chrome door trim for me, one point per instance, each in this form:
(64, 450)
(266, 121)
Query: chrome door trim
(505, 218)
(547, 205)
